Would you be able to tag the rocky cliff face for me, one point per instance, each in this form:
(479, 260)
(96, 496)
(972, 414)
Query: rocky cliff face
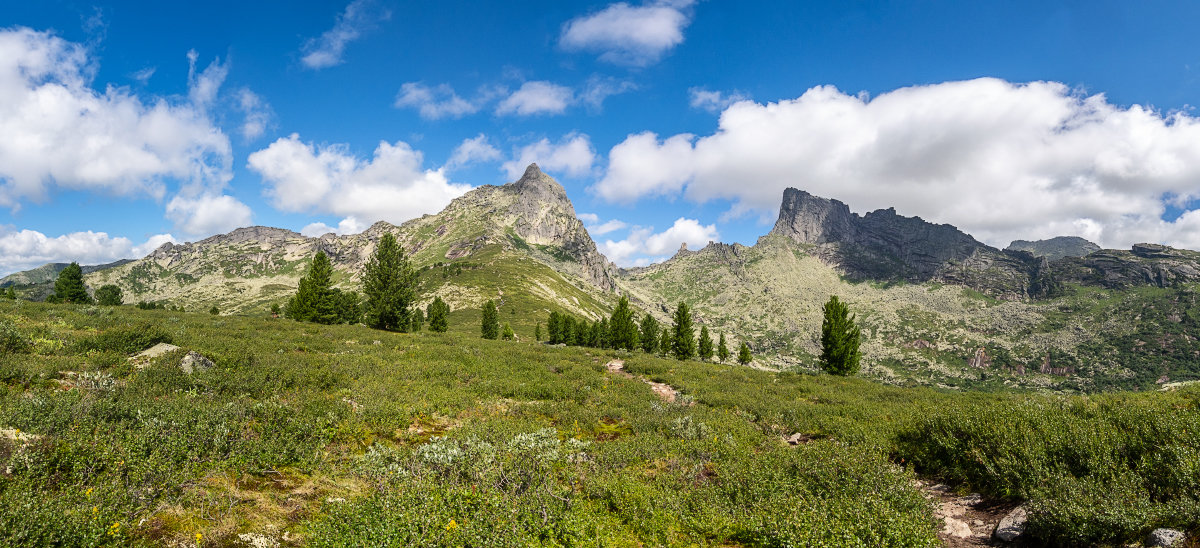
(1144, 264)
(883, 245)
(1055, 248)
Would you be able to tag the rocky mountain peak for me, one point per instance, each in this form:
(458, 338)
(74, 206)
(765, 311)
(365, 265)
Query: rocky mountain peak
(884, 245)
(535, 186)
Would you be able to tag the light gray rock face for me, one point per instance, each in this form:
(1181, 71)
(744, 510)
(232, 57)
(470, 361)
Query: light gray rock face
(1012, 526)
(1055, 248)
(544, 215)
(194, 361)
(1165, 537)
(883, 245)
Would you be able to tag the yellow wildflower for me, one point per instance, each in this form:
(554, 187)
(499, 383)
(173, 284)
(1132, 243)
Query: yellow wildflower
(89, 492)
(451, 526)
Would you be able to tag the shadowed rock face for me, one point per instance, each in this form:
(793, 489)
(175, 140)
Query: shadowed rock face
(885, 246)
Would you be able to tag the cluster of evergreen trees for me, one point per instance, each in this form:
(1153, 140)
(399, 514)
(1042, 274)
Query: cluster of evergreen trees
(620, 331)
(389, 287)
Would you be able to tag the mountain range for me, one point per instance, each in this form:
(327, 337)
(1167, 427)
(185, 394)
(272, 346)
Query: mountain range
(936, 305)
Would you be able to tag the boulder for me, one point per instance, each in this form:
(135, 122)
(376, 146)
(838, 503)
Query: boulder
(1012, 525)
(193, 361)
(1165, 537)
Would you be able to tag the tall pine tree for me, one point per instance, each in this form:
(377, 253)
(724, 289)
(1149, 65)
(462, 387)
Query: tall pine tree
(649, 334)
(314, 300)
(68, 288)
(839, 339)
(390, 284)
(683, 336)
(706, 344)
(722, 350)
(554, 328)
(490, 321)
(623, 332)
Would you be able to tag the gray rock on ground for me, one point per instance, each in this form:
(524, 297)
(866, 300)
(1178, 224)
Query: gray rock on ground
(1165, 537)
(193, 361)
(1012, 525)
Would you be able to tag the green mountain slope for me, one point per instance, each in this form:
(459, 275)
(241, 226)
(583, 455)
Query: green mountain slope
(519, 242)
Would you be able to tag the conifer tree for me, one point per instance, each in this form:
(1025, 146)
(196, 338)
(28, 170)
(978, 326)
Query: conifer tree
(390, 284)
(11, 294)
(683, 336)
(744, 356)
(649, 334)
(583, 330)
(554, 328)
(275, 310)
(108, 295)
(314, 300)
(601, 334)
(839, 339)
(706, 344)
(418, 319)
(623, 332)
(490, 323)
(666, 344)
(68, 288)
(537, 332)
(507, 333)
(214, 310)
(722, 350)
(438, 312)
(567, 330)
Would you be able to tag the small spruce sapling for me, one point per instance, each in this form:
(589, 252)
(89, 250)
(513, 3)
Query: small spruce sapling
(744, 356)
(722, 350)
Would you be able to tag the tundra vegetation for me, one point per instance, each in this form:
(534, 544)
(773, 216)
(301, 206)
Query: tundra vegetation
(333, 435)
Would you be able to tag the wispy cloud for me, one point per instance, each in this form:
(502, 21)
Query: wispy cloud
(713, 101)
(328, 49)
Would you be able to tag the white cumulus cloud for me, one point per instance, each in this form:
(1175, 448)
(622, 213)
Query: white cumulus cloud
(997, 159)
(644, 246)
(26, 249)
(435, 103)
(538, 97)
(392, 186)
(573, 154)
(349, 225)
(473, 150)
(207, 214)
(57, 131)
(327, 50)
(629, 35)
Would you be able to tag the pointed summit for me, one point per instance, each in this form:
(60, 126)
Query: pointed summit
(535, 187)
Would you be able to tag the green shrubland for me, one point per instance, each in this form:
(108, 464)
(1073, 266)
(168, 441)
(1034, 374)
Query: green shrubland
(339, 435)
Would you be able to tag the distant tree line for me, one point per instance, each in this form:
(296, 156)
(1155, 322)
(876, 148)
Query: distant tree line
(620, 331)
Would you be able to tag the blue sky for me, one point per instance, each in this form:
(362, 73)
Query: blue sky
(124, 125)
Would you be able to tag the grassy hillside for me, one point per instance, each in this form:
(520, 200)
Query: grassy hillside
(1090, 339)
(311, 435)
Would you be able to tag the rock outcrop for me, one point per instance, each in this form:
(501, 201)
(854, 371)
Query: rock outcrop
(1055, 248)
(1143, 264)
